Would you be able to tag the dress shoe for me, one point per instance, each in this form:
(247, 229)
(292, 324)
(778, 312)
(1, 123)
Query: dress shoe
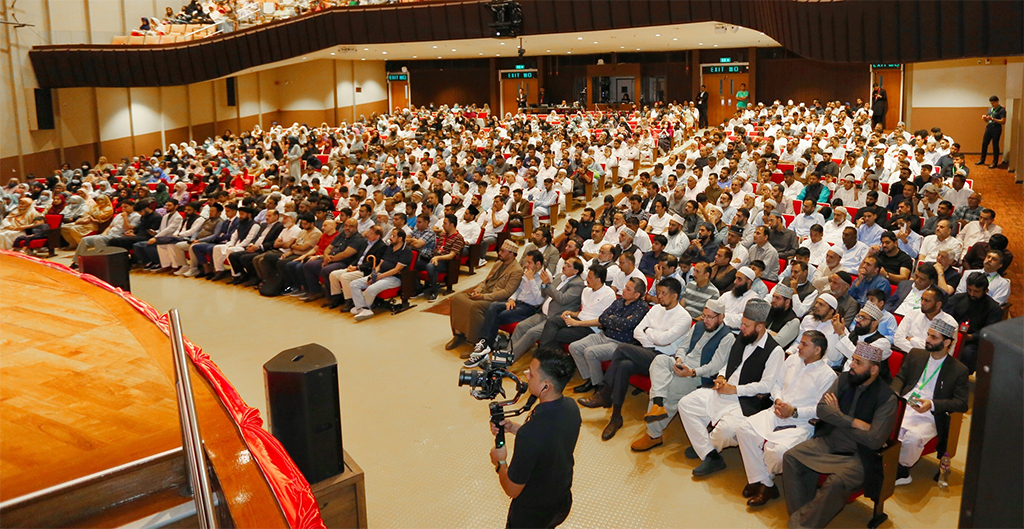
(656, 413)
(456, 341)
(690, 453)
(238, 280)
(763, 496)
(752, 489)
(711, 464)
(982, 162)
(333, 303)
(994, 166)
(219, 275)
(645, 443)
(347, 305)
(600, 399)
(613, 426)
(584, 387)
(312, 297)
(252, 282)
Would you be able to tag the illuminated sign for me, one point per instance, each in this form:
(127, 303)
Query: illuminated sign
(398, 77)
(732, 68)
(725, 59)
(885, 66)
(519, 75)
(520, 67)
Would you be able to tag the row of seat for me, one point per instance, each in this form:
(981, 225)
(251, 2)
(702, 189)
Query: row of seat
(178, 33)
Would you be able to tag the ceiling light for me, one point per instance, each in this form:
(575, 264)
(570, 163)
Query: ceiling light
(303, 58)
(595, 42)
(438, 56)
(569, 52)
(481, 53)
(700, 43)
(502, 43)
(413, 56)
(435, 47)
(675, 38)
(716, 45)
(362, 59)
(638, 49)
(453, 49)
(657, 34)
(383, 53)
(579, 38)
(622, 47)
(547, 51)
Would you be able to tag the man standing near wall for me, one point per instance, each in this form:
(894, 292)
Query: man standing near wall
(994, 119)
(879, 106)
(702, 107)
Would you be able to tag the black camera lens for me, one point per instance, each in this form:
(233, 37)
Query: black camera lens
(470, 378)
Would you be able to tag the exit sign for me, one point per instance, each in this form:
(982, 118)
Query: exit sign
(398, 77)
(520, 67)
(725, 59)
(885, 66)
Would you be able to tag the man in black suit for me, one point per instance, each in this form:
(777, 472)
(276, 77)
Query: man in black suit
(702, 107)
(341, 278)
(242, 262)
(879, 105)
(935, 385)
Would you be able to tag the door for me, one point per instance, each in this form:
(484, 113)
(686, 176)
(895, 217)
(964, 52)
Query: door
(722, 90)
(890, 80)
(510, 89)
(398, 94)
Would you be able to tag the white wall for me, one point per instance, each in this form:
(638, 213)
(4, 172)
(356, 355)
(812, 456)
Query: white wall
(960, 83)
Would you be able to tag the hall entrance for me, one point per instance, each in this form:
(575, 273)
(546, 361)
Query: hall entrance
(722, 82)
(398, 91)
(511, 82)
(889, 78)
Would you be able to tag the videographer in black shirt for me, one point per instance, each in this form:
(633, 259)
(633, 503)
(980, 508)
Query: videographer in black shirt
(539, 477)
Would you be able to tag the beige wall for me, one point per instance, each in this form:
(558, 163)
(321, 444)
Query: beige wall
(954, 94)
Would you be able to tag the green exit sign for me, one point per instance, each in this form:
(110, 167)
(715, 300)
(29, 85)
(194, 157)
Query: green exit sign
(882, 66)
(520, 67)
(725, 59)
(398, 77)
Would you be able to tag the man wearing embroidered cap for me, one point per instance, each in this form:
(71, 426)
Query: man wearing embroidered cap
(782, 323)
(469, 308)
(750, 370)
(865, 330)
(856, 415)
(935, 385)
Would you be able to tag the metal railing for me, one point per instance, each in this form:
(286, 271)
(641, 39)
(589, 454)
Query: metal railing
(192, 442)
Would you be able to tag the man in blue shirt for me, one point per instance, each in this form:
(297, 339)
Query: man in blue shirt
(867, 280)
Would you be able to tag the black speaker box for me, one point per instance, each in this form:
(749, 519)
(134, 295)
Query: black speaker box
(44, 108)
(304, 409)
(231, 90)
(993, 485)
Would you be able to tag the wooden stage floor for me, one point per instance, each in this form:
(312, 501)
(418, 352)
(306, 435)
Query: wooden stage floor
(87, 383)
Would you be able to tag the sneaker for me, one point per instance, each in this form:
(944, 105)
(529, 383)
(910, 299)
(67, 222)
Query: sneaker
(904, 481)
(355, 310)
(476, 357)
(432, 297)
(190, 273)
(482, 263)
(480, 346)
(365, 314)
(182, 271)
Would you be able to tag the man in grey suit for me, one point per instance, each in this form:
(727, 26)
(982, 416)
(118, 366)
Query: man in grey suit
(541, 241)
(560, 295)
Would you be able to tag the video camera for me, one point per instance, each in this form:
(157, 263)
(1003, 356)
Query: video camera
(487, 384)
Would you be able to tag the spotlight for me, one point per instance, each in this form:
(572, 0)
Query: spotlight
(508, 18)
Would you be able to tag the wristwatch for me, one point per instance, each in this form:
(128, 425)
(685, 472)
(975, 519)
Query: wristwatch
(497, 468)
(796, 413)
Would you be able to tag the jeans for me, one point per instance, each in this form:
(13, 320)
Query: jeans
(497, 315)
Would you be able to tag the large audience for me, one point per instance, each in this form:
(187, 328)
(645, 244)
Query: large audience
(759, 273)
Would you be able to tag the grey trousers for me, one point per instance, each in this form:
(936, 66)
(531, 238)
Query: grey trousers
(527, 333)
(589, 352)
(672, 388)
(808, 504)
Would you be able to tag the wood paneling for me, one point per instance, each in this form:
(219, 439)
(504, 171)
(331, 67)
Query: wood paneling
(466, 86)
(963, 124)
(831, 31)
(806, 80)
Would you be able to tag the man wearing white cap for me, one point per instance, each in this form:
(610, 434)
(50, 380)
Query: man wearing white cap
(766, 436)
(865, 329)
(702, 353)
(856, 416)
(819, 319)
(750, 369)
(678, 242)
(911, 332)
(736, 299)
(833, 229)
(833, 264)
(935, 384)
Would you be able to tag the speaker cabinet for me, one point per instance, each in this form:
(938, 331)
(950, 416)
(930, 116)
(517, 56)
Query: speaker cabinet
(992, 478)
(304, 410)
(232, 91)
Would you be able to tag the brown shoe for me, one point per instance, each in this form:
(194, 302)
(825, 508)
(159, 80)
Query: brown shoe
(752, 489)
(656, 413)
(613, 426)
(645, 443)
(767, 494)
(456, 341)
(600, 399)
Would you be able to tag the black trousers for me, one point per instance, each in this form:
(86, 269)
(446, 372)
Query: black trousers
(991, 135)
(555, 330)
(702, 119)
(526, 516)
(241, 263)
(627, 360)
(878, 117)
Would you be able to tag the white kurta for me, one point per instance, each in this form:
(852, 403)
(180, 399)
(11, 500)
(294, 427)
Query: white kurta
(919, 428)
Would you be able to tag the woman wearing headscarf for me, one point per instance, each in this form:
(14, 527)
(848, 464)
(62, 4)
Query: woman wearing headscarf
(57, 205)
(294, 158)
(161, 196)
(75, 209)
(89, 222)
(44, 201)
(19, 223)
(180, 194)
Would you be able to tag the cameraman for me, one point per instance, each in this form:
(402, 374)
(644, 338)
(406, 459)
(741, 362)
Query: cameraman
(539, 479)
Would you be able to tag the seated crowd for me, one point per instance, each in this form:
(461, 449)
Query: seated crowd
(789, 278)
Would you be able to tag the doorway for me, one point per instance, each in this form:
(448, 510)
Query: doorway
(398, 94)
(722, 90)
(890, 80)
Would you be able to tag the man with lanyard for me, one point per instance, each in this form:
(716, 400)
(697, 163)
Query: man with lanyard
(855, 416)
(935, 384)
(994, 120)
(539, 478)
(742, 97)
